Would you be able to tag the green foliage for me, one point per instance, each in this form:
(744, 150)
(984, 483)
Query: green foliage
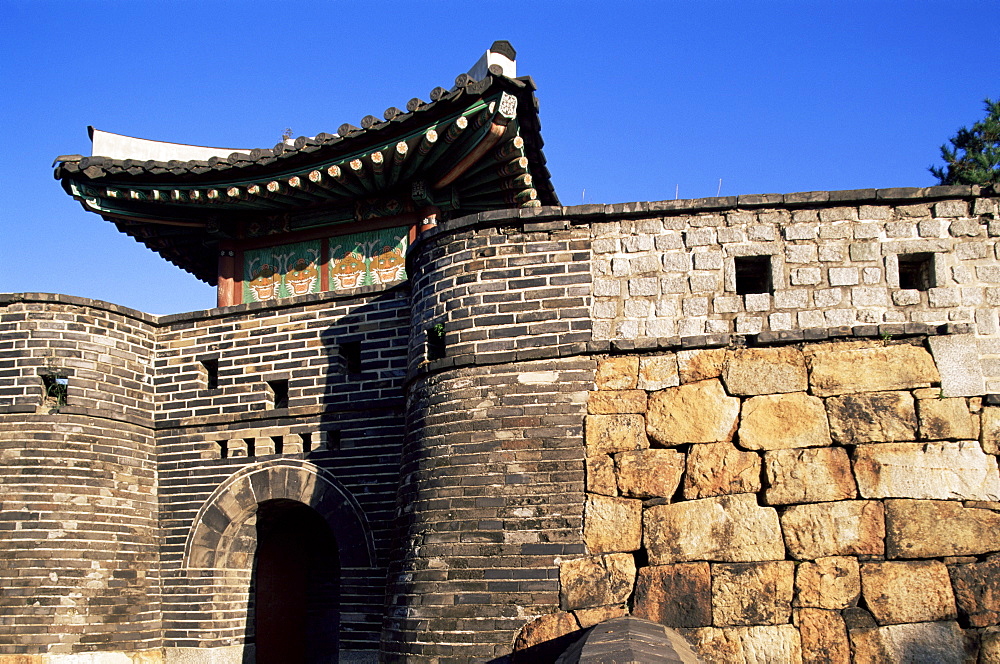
(974, 155)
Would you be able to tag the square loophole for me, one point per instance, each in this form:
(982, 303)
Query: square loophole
(279, 393)
(916, 271)
(753, 274)
(350, 356)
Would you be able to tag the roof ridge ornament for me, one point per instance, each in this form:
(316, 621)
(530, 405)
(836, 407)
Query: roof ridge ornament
(501, 54)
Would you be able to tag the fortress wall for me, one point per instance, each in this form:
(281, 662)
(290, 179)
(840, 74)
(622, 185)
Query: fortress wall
(491, 498)
(344, 420)
(817, 502)
(78, 524)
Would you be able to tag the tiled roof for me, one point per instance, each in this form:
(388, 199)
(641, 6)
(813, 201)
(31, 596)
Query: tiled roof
(474, 147)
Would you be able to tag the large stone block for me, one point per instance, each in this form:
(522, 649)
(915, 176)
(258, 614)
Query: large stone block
(657, 373)
(990, 430)
(920, 643)
(649, 473)
(596, 581)
(607, 434)
(752, 593)
(542, 630)
(977, 591)
(943, 419)
(761, 644)
(612, 524)
(716, 469)
(765, 371)
(810, 475)
(678, 595)
(610, 402)
(698, 365)
(846, 528)
(828, 583)
(908, 592)
(847, 369)
(938, 528)
(784, 421)
(617, 373)
(692, 413)
(957, 358)
(601, 475)
(873, 417)
(942, 471)
(824, 636)
(598, 614)
(726, 528)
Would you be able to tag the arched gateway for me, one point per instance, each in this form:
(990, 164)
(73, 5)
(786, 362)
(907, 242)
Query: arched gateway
(294, 531)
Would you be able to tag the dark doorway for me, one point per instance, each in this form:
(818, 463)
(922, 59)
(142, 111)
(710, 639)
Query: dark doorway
(296, 586)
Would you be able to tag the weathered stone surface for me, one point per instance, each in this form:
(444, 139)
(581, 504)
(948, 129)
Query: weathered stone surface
(942, 419)
(545, 628)
(610, 402)
(990, 430)
(612, 524)
(874, 417)
(957, 357)
(977, 591)
(938, 528)
(752, 371)
(601, 475)
(716, 469)
(828, 583)
(761, 644)
(698, 365)
(649, 473)
(607, 434)
(943, 471)
(752, 593)
(908, 592)
(849, 370)
(657, 373)
(678, 595)
(596, 581)
(617, 373)
(989, 646)
(784, 421)
(846, 528)
(590, 617)
(726, 528)
(920, 643)
(692, 413)
(810, 475)
(824, 636)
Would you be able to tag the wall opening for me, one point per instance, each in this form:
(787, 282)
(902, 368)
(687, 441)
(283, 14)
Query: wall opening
(916, 271)
(350, 355)
(55, 390)
(753, 274)
(295, 592)
(436, 348)
(210, 374)
(279, 393)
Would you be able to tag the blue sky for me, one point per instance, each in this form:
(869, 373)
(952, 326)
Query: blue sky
(639, 100)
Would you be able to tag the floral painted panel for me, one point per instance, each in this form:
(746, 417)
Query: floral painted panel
(364, 259)
(283, 271)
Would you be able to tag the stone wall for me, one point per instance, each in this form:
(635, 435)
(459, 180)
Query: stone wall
(819, 503)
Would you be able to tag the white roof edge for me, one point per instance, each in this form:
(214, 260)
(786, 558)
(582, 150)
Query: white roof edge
(482, 66)
(118, 146)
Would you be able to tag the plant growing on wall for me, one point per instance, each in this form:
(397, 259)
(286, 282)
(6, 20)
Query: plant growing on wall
(974, 155)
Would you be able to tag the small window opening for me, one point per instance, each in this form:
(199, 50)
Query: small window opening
(55, 389)
(211, 373)
(436, 348)
(306, 442)
(333, 440)
(251, 446)
(223, 449)
(753, 274)
(350, 354)
(279, 393)
(916, 271)
(279, 444)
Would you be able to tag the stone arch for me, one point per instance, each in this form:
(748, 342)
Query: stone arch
(223, 534)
